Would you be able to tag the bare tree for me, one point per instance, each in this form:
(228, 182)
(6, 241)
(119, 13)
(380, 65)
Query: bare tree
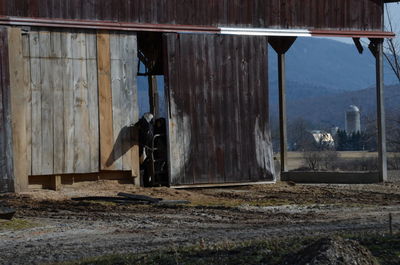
(393, 130)
(392, 47)
(298, 134)
(320, 154)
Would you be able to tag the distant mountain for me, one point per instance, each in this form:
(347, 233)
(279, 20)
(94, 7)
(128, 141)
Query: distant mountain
(329, 64)
(329, 110)
(296, 90)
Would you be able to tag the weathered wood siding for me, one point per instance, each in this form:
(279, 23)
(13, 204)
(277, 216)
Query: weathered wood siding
(6, 152)
(62, 128)
(19, 84)
(218, 116)
(56, 107)
(312, 14)
(118, 64)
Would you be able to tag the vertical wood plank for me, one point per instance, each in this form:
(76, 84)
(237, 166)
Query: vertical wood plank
(126, 103)
(36, 116)
(81, 110)
(117, 79)
(6, 163)
(47, 125)
(58, 107)
(28, 115)
(132, 67)
(105, 99)
(19, 91)
(93, 98)
(68, 101)
(176, 165)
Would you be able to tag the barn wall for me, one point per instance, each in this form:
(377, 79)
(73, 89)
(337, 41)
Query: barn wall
(59, 102)
(218, 117)
(6, 152)
(311, 14)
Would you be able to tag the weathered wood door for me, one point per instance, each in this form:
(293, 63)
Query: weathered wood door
(76, 96)
(217, 90)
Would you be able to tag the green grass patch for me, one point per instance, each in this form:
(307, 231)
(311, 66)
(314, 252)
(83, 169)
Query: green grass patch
(385, 248)
(15, 224)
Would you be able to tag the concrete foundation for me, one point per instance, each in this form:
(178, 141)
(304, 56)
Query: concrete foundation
(331, 177)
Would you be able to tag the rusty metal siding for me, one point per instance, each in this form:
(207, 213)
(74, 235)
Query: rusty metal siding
(218, 95)
(310, 14)
(6, 163)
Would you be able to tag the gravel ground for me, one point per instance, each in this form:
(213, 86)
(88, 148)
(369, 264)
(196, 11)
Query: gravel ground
(67, 230)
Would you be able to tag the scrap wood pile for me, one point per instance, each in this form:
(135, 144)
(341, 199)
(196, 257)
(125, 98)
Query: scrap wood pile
(126, 198)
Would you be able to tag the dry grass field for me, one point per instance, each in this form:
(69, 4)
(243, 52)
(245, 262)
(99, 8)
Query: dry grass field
(295, 159)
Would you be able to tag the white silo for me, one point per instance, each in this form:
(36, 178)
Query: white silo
(353, 120)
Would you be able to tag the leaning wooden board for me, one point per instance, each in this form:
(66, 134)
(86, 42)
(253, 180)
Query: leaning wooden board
(19, 90)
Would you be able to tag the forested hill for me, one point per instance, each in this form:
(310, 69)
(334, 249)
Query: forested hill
(328, 110)
(328, 64)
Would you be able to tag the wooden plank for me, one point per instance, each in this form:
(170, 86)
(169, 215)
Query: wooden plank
(186, 103)
(68, 101)
(93, 102)
(36, 87)
(47, 108)
(129, 100)
(105, 99)
(134, 111)
(28, 115)
(210, 79)
(18, 89)
(117, 79)
(6, 161)
(176, 165)
(235, 114)
(125, 103)
(178, 115)
(58, 107)
(219, 113)
(81, 108)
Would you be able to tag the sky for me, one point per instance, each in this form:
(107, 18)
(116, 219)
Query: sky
(394, 11)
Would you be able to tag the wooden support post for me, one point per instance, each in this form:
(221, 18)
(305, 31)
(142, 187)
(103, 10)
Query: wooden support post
(281, 45)
(380, 104)
(282, 111)
(55, 182)
(153, 95)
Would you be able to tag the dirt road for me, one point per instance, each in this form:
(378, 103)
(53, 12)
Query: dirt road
(66, 230)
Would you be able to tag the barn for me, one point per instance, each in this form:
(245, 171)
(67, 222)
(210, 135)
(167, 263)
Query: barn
(69, 72)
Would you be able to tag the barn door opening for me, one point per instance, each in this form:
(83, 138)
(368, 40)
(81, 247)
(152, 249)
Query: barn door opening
(152, 140)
